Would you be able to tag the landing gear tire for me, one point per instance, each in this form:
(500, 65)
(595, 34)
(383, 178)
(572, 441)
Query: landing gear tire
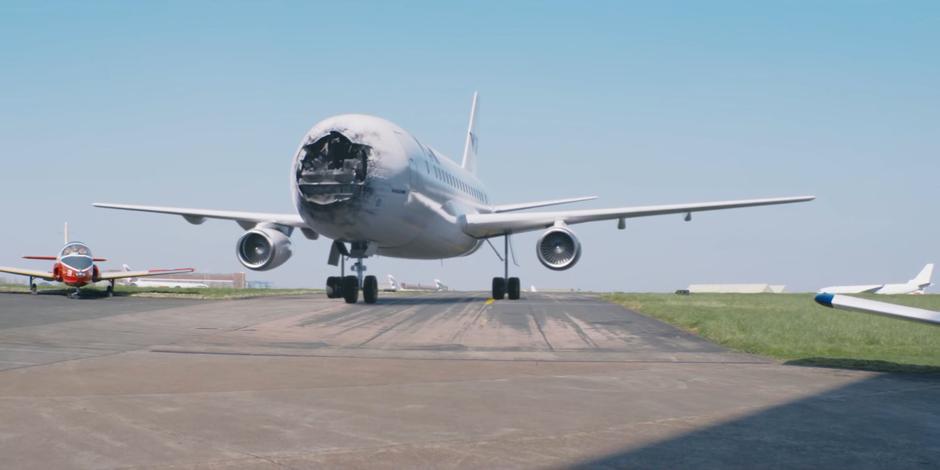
(109, 291)
(351, 289)
(33, 289)
(499, 288)
(74, 294)
(512, 288)
(334, 287)
(370, 289)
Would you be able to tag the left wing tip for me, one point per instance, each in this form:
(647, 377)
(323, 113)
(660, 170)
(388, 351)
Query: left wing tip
(824, 299)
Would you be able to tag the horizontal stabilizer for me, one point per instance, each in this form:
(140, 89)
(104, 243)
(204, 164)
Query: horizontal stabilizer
(533, 205)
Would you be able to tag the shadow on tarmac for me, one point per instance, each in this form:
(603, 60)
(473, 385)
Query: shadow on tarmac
(864, 364)
(885, 421)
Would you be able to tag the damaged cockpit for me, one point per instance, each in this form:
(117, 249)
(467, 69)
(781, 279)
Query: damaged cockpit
(332, 169)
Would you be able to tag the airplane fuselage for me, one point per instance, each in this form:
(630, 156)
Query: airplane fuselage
(73, 277)
(390, 190)
(885, 289)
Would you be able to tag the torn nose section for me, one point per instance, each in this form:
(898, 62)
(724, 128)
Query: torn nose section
(332, 169)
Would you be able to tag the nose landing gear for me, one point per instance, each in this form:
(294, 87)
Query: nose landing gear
(348, 287)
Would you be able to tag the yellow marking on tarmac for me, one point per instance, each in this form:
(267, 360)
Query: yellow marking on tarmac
(490, 301)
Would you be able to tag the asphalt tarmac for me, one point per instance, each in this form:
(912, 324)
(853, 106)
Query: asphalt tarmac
(426, 380)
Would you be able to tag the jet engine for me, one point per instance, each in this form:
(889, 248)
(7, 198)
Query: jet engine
(558, 248)
(261, 249)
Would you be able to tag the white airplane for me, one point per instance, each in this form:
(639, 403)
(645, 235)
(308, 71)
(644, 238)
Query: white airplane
(375, 189)
(914, 286)
(847, 302)
(169, 282)
(395, 286)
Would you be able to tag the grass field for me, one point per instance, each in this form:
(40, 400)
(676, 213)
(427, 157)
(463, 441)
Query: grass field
(795, 329)
(197, 293)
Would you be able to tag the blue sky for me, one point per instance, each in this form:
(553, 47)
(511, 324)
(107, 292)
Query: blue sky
(202, 105)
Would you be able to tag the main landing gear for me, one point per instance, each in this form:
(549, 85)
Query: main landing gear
(348, 287)
(506, 286)
(109, 291)
(32, 286)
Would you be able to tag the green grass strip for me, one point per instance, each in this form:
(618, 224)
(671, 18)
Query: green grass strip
(793, 328)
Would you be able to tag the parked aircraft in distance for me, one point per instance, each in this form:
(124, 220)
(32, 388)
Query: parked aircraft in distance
(375, 189)
(395, 286)
(156, 282)
(75, 267)
(914, 286)
(847, 302)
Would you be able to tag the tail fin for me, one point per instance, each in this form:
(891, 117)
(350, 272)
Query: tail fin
(126, 268)
(440, 285)
(469, 162)
(392, 282)
(924, 276)
(66, 233)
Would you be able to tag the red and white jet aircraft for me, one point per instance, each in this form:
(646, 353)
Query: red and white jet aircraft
(75, 267)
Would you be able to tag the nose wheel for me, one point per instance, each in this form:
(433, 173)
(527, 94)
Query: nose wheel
(348, 287)
(506, 286)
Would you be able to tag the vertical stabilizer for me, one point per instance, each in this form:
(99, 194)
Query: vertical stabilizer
(469, 162)
(925, 275)
(66, 233)
(393, 284)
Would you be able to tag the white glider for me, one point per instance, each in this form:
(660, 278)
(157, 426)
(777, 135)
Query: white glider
(914, 286)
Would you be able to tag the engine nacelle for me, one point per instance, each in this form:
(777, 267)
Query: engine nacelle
(558, 248)
(261, 249)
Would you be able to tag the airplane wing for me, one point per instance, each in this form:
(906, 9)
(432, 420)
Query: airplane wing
(28, 272)
(533, 205)
(864, 289)
(491, 225)
(152, 272)
(246, 220)
(845, 302)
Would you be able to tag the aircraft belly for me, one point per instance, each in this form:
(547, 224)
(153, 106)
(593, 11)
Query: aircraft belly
(373, 216)
(436, 240)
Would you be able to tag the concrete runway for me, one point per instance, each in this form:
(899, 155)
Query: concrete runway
(426, 380)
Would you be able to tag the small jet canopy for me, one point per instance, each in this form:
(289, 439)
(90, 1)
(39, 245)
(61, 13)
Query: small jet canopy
(76, 255)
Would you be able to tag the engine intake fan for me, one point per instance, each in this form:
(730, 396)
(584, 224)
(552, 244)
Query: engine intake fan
(558, 249)
(261, 249)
